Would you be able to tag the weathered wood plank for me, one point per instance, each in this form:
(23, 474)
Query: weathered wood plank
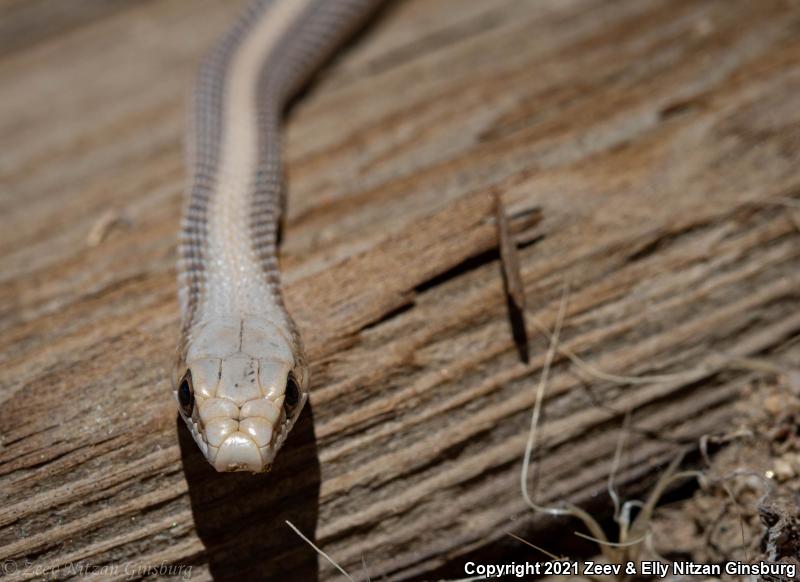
(656, 139)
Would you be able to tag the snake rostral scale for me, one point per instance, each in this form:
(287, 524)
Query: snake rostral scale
(241, 378)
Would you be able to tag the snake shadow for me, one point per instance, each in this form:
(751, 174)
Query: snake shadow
(240, 518)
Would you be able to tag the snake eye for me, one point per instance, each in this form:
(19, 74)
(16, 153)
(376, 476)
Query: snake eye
(292, 396)
(186, 394)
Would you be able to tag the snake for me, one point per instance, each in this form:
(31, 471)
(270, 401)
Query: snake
(241, 377)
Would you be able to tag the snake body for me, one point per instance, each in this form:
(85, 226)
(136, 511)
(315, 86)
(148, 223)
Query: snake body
(241, 378)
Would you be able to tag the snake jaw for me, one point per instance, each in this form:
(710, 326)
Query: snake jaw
(230, 444)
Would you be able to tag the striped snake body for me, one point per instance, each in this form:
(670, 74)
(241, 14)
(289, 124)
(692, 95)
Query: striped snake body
(241, 378)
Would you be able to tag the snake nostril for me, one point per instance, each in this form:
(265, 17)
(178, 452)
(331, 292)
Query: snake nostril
(186, 394)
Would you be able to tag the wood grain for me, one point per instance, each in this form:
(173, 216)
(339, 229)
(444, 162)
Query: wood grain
(644, 152)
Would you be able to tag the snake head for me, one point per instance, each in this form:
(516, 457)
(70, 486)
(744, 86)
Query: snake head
(240, 408)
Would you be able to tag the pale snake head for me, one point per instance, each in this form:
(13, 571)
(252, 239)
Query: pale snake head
(240, 390)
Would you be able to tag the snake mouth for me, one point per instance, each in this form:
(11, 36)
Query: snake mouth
(236, 438)
(238, 452)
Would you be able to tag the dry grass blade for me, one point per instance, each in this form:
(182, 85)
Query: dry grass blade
(535, 547)
(593, 373)
(569, 509)
(642, 521)
(612, 491)
(537, 409)
(319, 551)
(614, 552)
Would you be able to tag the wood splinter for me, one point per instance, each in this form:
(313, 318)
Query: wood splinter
(512, 279)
